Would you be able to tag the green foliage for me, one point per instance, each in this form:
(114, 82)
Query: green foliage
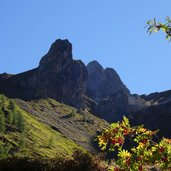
(26, 136)
(20, 122)
(2, 102)
(4, 149)
(13, 117)
(2, 121)
(22, 141)
(134, 147)
(154, 26)
(10, 117)
(13, 110)
(12, 106)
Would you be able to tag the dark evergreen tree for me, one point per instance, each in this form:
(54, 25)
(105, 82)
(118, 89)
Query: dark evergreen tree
(2, 121)
(10, 116)
(20, 122)
(11, 105)
(23, 140)
(2, 102)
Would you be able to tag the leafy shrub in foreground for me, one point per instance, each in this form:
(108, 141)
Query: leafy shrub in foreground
(135, 147)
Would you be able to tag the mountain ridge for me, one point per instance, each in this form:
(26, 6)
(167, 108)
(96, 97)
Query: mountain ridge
(91, 87)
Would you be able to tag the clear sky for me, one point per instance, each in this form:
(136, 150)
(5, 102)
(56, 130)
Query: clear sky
(109, 31)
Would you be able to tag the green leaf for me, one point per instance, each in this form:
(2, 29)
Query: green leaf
(167, 37)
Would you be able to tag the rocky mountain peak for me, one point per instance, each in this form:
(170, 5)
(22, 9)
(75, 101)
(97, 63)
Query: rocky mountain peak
(59, 53)
(59, 47)
(58, 76)
(94, 66)
(103, 83)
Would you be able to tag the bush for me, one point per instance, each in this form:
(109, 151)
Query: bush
(135, 147)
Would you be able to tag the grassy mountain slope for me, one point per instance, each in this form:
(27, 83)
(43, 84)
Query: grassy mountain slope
(37, 140)
(79, 126)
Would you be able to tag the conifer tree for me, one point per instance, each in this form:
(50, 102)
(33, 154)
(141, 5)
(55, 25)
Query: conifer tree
(11, 105)
(22, 142)
(15, 118)
(2, 102)
(2, 121)
(1, 149)
(10, 117)
(20, 122)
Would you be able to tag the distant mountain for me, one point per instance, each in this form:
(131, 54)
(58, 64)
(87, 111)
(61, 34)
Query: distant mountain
(103, 82)
(58, 76)
(91, 87)
(112, 99)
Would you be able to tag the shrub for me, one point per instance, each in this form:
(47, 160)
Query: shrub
(134, 147)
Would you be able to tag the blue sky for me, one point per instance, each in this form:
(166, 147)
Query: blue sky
(109, 31)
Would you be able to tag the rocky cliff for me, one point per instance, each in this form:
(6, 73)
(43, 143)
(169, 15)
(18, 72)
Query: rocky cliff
(58, 76)
(157, 115)
(112, 98)
(102, 83)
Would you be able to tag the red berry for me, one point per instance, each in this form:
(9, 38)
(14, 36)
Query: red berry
(113, 142)
(120, 140)
(161, 149)
(125, 132)
(128, 162)
(164, 159)
(144, 141)
(116, 169)
(140, 168)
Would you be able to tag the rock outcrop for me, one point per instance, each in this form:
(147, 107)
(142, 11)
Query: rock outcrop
(158, 115)
(102, 83)
(112, 98)
(58, 76)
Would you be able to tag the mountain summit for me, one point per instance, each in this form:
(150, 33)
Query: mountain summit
(102, 83)
(98, 89)
(69, 81)
(58, 76)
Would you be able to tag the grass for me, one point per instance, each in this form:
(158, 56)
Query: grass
(40, 139)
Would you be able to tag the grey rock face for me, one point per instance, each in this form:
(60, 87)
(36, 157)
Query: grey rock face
(113, 108)
(65, 78)
(58, 76)
(69, 81)
(112, 97)
(103, 83)
(157, 115)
